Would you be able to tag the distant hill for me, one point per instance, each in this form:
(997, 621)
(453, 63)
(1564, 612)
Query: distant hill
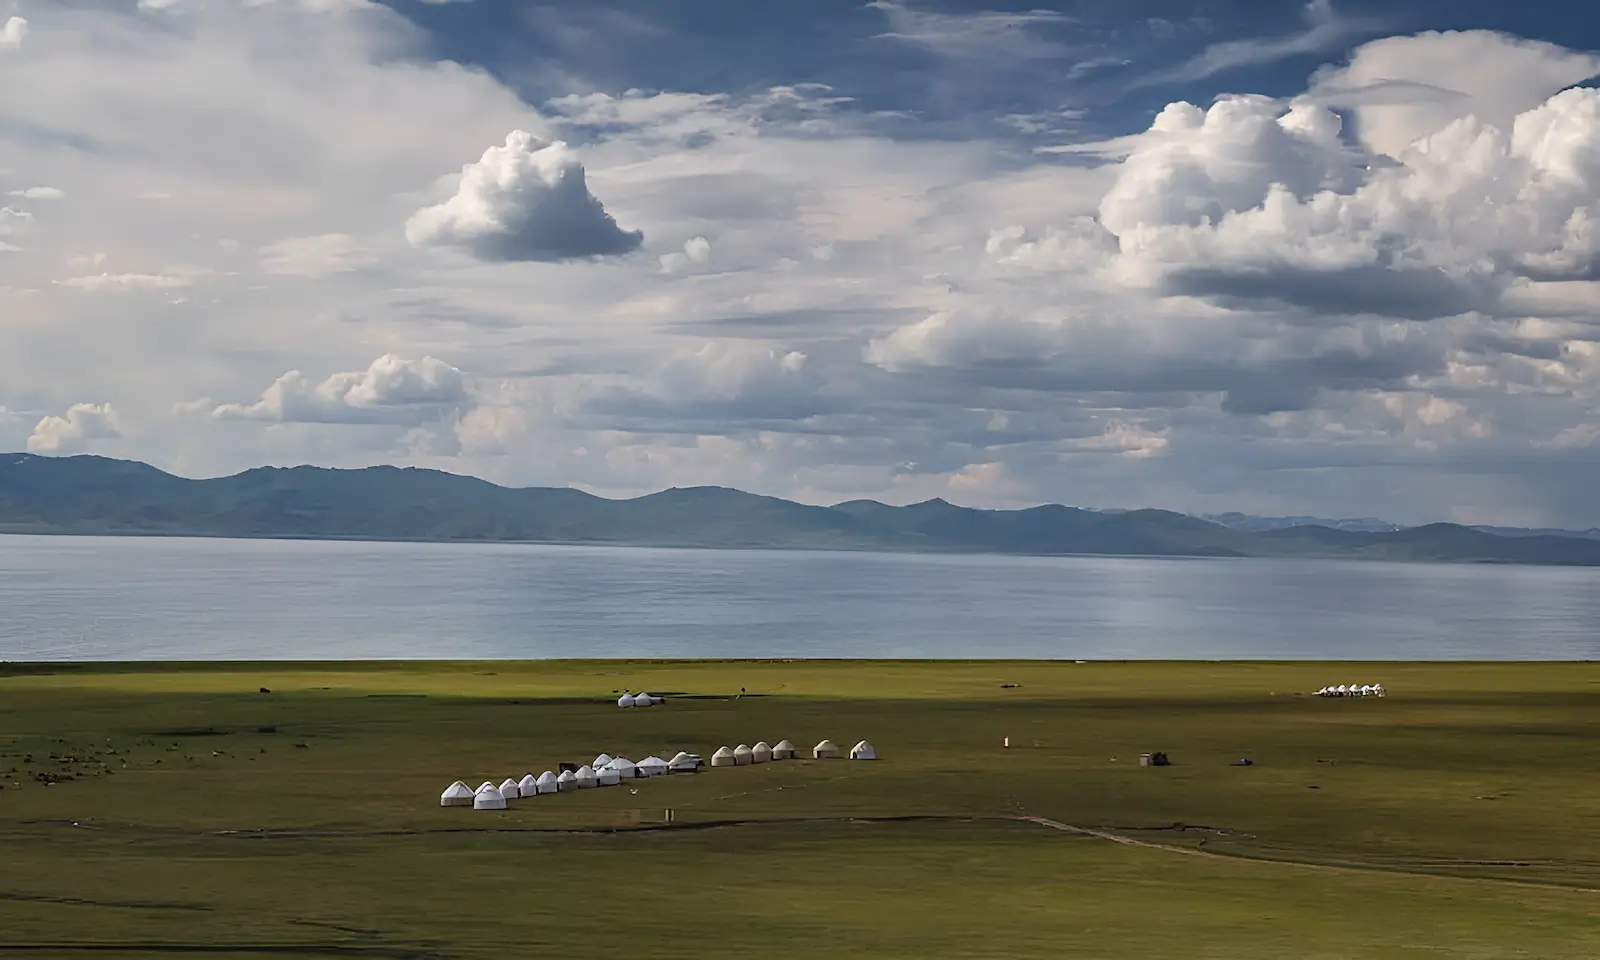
(95, 495)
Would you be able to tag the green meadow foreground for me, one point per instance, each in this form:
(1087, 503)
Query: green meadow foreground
(1458, 817)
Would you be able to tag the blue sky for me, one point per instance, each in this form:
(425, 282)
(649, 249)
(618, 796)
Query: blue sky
(1337, 258)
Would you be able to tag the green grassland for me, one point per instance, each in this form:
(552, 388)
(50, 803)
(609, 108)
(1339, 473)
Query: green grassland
(164, 809)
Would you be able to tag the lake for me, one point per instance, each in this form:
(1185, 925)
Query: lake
(126, 598)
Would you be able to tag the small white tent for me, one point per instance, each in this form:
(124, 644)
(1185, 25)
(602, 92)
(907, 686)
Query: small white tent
(586, 777)
(626, 769)
(602, 760)
(548, 782)
(528, 786)
(863, 751)
(608, 777)
(644, 700)
(785, 750)
(684, 763)
(485, 785)
(509, 789)
(626, 700)
(1341, 690)
(760, 753)
(488, 798)
(742, 754)
(652, 767)
(567, 781)
(1377, 688)
(722, 758)
(826, 750)
(457, 794)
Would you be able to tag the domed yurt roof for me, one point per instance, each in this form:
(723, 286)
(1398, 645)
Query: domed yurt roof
(509, 789)
(488, 799)
(626, 700)
(457, 794)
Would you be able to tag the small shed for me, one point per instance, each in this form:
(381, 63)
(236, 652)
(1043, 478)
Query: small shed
(722, 758)
(863, 751)
(457, 794)
(785, 750)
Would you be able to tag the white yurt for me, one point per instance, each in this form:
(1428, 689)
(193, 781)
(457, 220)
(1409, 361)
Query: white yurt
(510, 789)
(586, 777)
(760, 753)
(863, 751)
(626, 700)
(626, 769)
(644, 700)
(608, 777)
(548, 782)
(602, 760)
(652, 766)
(488, 798)
(826, 750)
(785, 750)
(457, 794)
(684, 763)
(742, 754)
(722, 758)
(1377, 689)
(567, 781)
(485, 785)
(1341, 690)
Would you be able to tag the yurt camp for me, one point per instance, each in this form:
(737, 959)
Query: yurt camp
(457, 794)
(826, 750)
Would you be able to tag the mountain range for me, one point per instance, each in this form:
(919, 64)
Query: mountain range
(90, 495)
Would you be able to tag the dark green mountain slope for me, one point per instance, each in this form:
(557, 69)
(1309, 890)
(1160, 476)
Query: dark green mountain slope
(95, 495)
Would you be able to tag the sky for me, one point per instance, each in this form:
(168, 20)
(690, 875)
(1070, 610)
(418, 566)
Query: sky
(1340, 258)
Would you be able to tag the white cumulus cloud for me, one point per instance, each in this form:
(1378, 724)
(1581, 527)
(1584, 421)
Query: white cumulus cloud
(82, 423)
(391, 390)
(13, 33)
(526, 199)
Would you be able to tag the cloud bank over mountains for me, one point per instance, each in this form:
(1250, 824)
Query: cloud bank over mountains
(1376, 294)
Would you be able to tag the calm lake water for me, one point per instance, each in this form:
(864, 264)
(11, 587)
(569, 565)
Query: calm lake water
(90, 598)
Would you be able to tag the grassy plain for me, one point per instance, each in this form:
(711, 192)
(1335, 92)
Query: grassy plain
(190, 813)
